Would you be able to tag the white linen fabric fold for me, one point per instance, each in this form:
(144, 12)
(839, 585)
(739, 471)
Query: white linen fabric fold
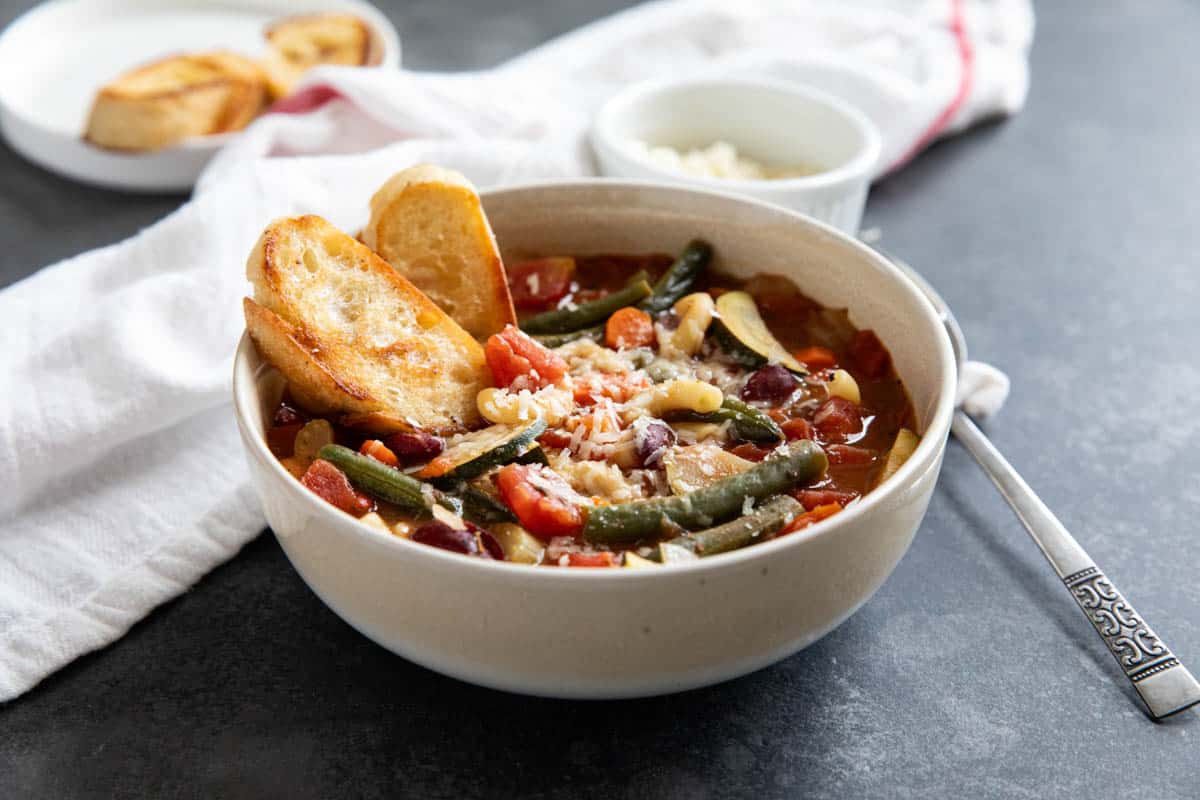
(124, 478)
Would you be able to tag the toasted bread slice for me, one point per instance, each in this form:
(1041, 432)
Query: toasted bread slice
(428, 223)
(159, 104)
(298, 44)
(353, 337)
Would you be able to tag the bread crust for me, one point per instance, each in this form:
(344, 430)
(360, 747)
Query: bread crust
(297, 44)
(353, 337)
(168, 100)
(428, 223)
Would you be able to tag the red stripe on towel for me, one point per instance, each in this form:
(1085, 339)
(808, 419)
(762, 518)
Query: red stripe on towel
(966, 54)
(305, 100)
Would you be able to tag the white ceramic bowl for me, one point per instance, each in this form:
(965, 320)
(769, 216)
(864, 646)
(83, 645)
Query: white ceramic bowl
(776, 123)
(55, 57)
(619, 633)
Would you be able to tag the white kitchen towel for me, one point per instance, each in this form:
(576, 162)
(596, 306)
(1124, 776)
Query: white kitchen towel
(123, 476)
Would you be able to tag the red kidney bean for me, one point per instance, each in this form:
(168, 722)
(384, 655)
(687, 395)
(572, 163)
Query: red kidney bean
(652, 440)
(439, 534)
(415, 447)
(490, 546)
(772, 383)
(286, 415)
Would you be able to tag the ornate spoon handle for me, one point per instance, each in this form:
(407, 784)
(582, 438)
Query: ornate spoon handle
(1164, 684)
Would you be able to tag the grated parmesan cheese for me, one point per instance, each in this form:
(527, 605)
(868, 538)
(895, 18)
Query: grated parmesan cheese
(718, 160)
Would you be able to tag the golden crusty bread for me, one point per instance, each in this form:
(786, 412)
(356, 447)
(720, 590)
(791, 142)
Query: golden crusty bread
(353, 337)
(298, 44)
(161, 103)
(428, 223)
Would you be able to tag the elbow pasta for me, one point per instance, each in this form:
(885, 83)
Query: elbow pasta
(843, 385)
(695, 315)
(683, 395)
(503, 407)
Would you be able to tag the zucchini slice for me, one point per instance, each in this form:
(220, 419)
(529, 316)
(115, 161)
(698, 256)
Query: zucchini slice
(743, 334)
(906, 443)
(696, 466)
(634, 561)
(533, 455)
(476, 453)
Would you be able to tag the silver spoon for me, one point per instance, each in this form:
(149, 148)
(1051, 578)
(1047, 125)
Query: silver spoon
(1164, 684)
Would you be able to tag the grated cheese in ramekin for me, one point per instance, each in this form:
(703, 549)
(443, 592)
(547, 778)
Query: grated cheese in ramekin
(718, 160)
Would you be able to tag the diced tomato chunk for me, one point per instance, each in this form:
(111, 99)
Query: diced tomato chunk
(816, 357)
(601, 559)
(811, 498)
(812, 517)
(555, 437)
(870, 354)
(750, 452)
(797, 428)
(380, 452)
(541, 283)
(331, 485)
(544, 503)
(616, 386)
(847, 454)
(837, 418)
(515, 358)
(627, 328)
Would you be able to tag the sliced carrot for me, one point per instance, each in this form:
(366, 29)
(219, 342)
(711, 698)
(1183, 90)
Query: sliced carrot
(629, 327)
(380, 452)
(814, 516)
(602, 559)
(816, 357)
(811, 498)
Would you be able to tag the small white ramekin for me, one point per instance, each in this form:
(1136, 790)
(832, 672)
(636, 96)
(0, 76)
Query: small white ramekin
(774, 122)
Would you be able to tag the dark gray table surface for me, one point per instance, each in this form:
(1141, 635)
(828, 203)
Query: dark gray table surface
(1064, 240)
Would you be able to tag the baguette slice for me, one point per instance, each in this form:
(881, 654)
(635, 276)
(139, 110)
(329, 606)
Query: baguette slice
(164, 102)
(428, 223)
(298, 44)
(353, 337)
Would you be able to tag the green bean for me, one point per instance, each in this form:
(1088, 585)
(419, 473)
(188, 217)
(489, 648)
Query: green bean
(679, 277)
(800, 463)
(768, 518)
(749, 423)
(565, 320)
(595, 333)
(380, 480)
(392, 485)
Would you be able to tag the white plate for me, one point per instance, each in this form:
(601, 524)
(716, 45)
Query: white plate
(55, 57)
